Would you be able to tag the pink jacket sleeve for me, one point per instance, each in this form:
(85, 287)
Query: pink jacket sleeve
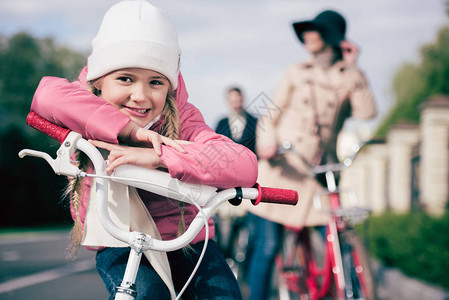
(71, 106)
(212, 159)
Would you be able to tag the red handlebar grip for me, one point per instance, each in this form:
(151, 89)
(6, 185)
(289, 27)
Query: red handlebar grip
(279, 196)
(54, 131)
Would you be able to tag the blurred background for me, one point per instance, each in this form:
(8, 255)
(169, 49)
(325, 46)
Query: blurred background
(404, 54)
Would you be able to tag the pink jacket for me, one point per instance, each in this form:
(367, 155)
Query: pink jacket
(212, 159)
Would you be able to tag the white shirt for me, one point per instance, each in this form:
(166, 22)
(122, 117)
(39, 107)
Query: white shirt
(237, 123)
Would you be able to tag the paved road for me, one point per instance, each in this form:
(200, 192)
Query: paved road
(32, 266)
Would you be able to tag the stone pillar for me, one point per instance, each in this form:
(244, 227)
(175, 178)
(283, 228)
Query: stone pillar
(434, 161)
(377, 164)
(354, 180)
(401, 140)
(367, 177)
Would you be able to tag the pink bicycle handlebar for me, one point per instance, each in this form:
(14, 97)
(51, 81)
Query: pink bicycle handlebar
(52, 130)
(278, 196)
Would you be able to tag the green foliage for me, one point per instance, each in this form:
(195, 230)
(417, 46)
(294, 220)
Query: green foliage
(415, 83)
(29, 190)
(24, 60)
(416, 243)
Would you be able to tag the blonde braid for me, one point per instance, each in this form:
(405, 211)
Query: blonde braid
(170, 113)
(74, 191)
(171, 130)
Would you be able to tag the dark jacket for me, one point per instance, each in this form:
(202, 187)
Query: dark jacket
(248, 138)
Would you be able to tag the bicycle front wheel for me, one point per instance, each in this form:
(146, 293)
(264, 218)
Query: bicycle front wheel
(293, 267)
(359, 282)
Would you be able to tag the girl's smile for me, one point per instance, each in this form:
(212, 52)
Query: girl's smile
(138, 93)
(137, 111)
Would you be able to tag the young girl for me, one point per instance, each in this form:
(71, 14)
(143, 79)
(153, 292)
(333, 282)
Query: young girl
(132, 92)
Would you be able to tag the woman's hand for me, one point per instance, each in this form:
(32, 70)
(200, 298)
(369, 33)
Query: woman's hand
(122, 155)
(350, 52)
(133, 134)
(267, 152)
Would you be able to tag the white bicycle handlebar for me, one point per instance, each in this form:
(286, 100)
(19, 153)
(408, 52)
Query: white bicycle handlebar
(159, 182)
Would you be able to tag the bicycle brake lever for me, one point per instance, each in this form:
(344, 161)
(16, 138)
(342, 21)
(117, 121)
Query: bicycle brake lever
(46, 156)
(286, 147)
(62, 165)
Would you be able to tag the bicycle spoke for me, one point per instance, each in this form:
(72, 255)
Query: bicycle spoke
(360, 283)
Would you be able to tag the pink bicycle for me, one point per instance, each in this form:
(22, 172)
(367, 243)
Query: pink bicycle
(336, 268)
(207, 200)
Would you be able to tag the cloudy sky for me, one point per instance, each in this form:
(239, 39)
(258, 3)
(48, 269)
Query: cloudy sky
(248, 43)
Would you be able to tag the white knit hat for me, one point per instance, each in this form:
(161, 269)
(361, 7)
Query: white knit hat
(135, 34)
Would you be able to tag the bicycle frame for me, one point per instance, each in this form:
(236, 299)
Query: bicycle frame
(157, 182)
(336, 225)
(318, 280)
(334, 262)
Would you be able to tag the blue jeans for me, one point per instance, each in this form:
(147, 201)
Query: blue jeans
(267, 237)
(213, 280)
(266, 243)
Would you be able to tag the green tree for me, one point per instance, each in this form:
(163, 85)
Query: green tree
(29, 190)
(24, 60)
(415, 83)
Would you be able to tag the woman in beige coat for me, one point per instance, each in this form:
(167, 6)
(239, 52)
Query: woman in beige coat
(311, 103)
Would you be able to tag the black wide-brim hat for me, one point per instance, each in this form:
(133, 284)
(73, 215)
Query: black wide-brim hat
(330, 24)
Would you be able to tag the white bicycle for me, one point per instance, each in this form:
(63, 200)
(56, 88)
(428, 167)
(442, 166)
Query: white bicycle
(155, 181)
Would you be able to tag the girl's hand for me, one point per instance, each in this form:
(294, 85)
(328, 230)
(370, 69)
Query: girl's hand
(122, 155)
(350, 52)
(135, 135)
